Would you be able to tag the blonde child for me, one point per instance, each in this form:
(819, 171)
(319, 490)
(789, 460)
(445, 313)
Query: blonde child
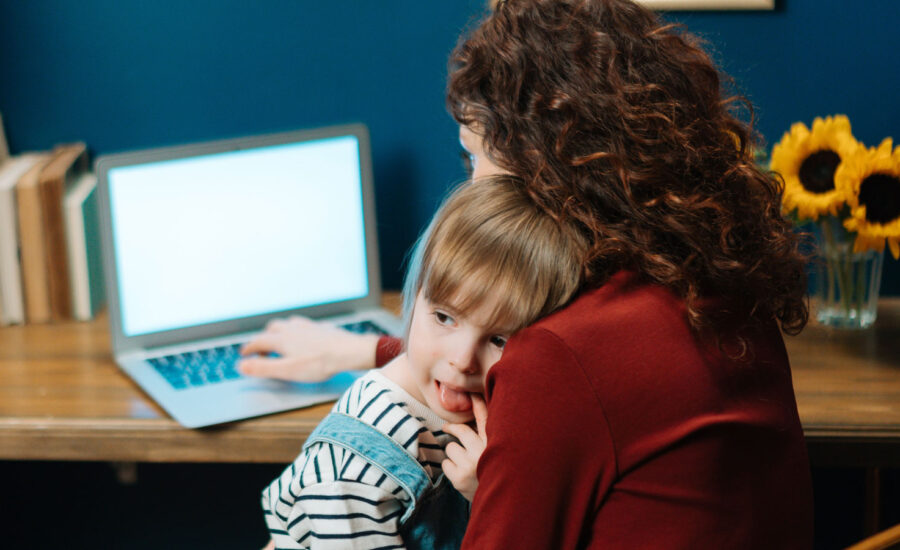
(376, 472)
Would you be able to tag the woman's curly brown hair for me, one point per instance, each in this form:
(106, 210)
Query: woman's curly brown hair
(617, 120)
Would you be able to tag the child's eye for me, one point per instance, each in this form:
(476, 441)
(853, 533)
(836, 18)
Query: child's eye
(443, 318)
(467, 162)
(498, 341)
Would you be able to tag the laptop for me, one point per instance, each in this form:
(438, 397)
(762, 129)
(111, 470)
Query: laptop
(203, 244)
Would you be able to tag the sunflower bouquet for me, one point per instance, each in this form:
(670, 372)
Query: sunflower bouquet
(852, 195)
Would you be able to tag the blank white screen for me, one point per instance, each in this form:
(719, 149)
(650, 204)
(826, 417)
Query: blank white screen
(237, 234)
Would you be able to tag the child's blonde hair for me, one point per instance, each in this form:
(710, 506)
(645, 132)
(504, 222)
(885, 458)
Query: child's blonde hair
(490, 239)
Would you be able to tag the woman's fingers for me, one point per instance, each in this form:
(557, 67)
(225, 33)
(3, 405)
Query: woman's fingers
(280, 368)
(264, 343)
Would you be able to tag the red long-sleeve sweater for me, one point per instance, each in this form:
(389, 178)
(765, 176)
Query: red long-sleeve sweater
(610, 425)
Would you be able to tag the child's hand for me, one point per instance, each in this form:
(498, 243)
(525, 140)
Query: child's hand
(309, 351)
(462, 458)
(271, 545)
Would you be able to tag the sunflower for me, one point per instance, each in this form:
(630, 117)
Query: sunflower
(870, 179)
(807, 161)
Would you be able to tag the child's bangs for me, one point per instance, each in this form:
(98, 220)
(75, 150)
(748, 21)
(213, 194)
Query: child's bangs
(465, 288)
(490, 246)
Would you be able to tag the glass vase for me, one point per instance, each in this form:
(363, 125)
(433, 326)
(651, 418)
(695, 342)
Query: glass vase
(847, 283)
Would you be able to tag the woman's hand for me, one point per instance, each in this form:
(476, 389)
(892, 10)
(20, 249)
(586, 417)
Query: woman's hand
(462, 458)
(307, 351)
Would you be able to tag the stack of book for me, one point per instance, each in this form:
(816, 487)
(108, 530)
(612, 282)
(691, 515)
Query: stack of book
(50, 267)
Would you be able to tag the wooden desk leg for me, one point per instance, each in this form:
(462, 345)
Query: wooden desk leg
(873, 501)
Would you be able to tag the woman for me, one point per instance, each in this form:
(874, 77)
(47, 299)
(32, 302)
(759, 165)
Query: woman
(656, 410)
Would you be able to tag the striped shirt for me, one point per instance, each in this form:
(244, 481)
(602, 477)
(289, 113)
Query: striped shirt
(331, 498)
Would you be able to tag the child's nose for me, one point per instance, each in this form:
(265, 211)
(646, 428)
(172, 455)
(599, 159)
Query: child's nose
(464, 359)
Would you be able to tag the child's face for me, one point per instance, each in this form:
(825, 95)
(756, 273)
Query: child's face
(449, 355)
(481, 163)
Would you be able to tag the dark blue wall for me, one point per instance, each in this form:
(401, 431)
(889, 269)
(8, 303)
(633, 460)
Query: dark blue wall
(124, 75)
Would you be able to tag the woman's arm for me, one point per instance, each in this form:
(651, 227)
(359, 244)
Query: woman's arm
(549, 456)
(310, 351)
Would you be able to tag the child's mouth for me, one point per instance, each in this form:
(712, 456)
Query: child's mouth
(454, 399)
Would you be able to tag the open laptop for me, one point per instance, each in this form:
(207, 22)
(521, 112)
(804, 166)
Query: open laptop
(204, 243)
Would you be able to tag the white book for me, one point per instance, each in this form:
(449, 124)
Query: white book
(82, 241)
(12, 309)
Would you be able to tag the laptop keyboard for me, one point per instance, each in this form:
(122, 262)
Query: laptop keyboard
(198, 368)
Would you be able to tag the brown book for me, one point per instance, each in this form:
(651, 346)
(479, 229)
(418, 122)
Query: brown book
(69, 162)
(31, 244)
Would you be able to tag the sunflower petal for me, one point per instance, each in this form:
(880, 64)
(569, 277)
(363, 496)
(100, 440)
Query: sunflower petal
(885, 146)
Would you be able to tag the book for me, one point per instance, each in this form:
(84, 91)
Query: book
(60, 172)
(31, 243)
(12, 303)
(83, 240)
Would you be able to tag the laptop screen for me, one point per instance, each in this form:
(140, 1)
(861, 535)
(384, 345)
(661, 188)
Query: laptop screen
(229, 235)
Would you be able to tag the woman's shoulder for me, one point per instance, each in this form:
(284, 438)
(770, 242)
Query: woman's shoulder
(600, 322)
(626, 320)
(631, 325)
(624, 302)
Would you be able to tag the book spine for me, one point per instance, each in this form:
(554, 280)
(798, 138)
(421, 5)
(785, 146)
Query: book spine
(55, 253)
(78, 270)
(11, 304)
(34, 274)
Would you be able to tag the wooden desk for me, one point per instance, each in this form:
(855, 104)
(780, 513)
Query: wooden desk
(848, 390)
(62, 398)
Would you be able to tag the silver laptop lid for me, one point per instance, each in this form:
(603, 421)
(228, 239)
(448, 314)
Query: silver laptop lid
(217, 238)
